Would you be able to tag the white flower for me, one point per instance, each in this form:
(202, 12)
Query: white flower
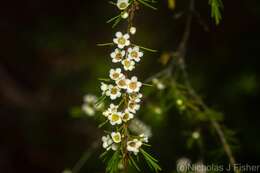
(89, 105)
(89, 98)
(135, 97)
(134, 145)
(143, 138)
(89, 110)
(127, 115)
(133, 106)
(133, 85)
(116, 74)
(108, 143)
(124, 15)
(104, 87)
(128, 64)
(122, 4)
(113, 92)
(133, 30)
(117, 55)
(122, 40)
(122, 83)
(159, 84)
(135, 54)
(116, 136)
(112, 109)
(115, 118)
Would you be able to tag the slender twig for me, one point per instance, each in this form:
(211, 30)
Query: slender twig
(182, 53)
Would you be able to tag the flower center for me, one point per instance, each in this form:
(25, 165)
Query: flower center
(115, 75)
(133, 85)
(116, 138)
(118, 56)
(132, 144)
(134, 54)
(122, 5)
(127, 63)
(126, 116)
(131, 105)
(121, 40)
(121, 83)
(114, 91)
(115, 117)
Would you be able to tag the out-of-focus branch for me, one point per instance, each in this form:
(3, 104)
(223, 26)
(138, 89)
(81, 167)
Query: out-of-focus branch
(178, 58)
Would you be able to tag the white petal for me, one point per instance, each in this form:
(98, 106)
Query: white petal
(119, 34)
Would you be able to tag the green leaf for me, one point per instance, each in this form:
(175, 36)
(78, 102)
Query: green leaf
(105, 44)
(102, 124)
(100, 100)
(113, 18)
(216, 7)
(116, 22)
(132, 162)
(112, 165)
(151, 161)
(145, 48)
(145, 3)
(104, 79)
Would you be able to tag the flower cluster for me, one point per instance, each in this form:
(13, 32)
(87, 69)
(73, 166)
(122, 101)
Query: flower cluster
(124, 92)
(89, 105)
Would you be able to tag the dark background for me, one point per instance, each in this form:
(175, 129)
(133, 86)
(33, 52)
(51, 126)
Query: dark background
(49, 60)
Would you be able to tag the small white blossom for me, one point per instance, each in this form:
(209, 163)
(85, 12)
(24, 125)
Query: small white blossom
(135, 54)
(133, 30)
(117, 55)
(122, 4)
(104, 87)
(89, 98)
(128, 64)
(124, 15)
(143, 138)
(113, 92)
(133, 106)
(108, 143)
(112, 109)
(127, 115)
(134, 145)
(121, 40)
(122, 83)
(89, 105)
(133, 85)
(158, 84)
(89, 110)
(135, 97)
(115, 118)
(116, 136)
(116, 74)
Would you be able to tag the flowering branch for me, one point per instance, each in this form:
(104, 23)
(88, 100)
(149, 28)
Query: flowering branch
(122, 146)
